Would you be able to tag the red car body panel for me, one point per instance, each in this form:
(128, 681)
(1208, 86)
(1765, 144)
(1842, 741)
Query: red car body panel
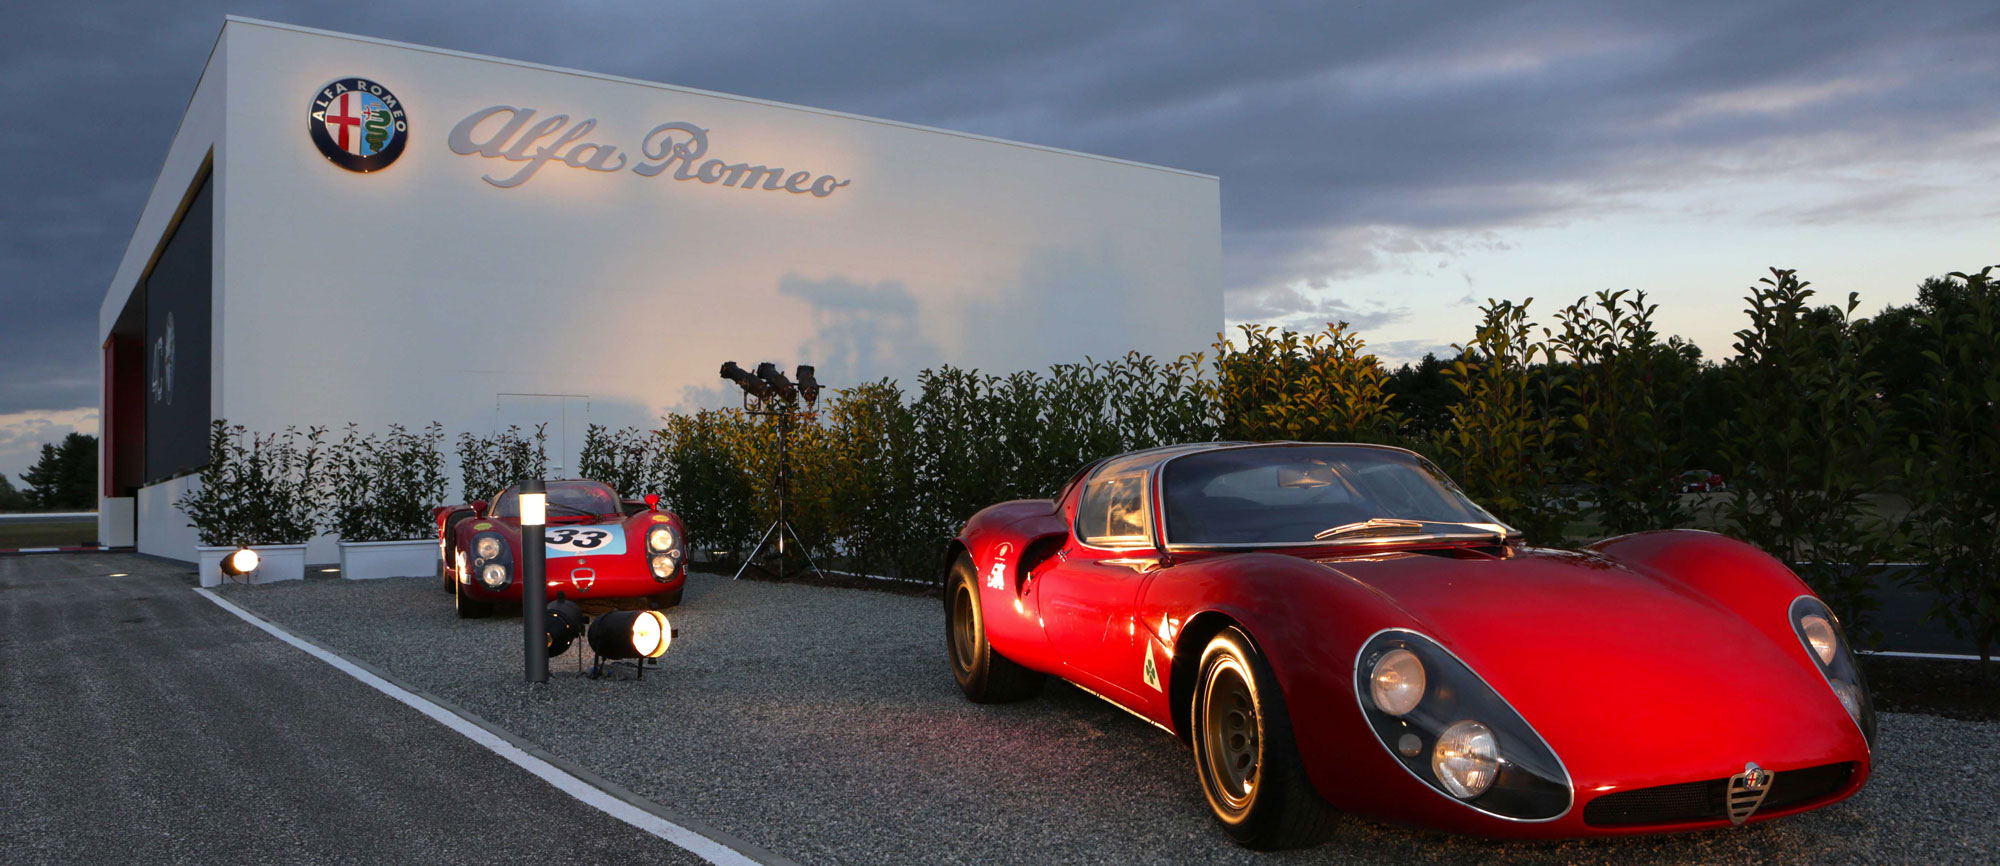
(580, 578)
(1651, 659)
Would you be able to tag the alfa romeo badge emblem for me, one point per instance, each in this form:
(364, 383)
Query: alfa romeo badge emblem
(358, 124)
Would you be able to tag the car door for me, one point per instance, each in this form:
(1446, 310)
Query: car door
(1088, 597)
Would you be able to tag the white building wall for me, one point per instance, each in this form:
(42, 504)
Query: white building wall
(148, 520)
(423, 292)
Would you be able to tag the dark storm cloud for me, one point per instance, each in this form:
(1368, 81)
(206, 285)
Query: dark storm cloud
(1340, 131)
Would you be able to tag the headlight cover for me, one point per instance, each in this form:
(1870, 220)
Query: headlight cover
(1469, 744)
(494, 575)
(659, 539)
(1828, 649)
(1396, 682)
(492, 562)
(1466, 759)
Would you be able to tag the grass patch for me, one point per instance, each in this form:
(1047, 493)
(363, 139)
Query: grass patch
(60, 533)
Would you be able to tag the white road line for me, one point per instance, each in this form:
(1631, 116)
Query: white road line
(1903, 655)
(693, 842)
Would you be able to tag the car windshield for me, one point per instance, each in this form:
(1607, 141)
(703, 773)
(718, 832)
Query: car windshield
(1289, 494)
(565, 497)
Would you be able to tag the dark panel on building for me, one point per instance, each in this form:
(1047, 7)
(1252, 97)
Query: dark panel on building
(123, 445)
(179, 296)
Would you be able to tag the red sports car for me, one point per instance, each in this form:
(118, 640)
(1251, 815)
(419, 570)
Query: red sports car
(599, 547)
(1338, 628)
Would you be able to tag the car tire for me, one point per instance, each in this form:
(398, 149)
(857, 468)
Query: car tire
(445, 581)
(983, 674)
(468, 607)
(1244, 752)
(666, 600)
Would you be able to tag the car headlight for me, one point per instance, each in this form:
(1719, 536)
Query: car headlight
(494, 575)
(1819, 633)
(1397, 682)
(1466, 759)
(1453, 732)
(663, 566)
(486, 547)
(660, 539)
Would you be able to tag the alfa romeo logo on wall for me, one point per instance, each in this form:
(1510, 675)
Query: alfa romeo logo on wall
(358, 124)
(163, 365)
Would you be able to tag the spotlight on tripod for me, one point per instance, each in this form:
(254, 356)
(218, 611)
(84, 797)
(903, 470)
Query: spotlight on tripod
(751, 385)
(808, 386)
(780, 385)
(768, 393)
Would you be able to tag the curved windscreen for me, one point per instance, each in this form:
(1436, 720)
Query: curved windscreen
(1287, 494)
(566, 498)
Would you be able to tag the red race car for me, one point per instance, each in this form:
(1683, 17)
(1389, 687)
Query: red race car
(1338, 628)
(599, 547)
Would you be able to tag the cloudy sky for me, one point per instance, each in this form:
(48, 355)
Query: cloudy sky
(1387, 164)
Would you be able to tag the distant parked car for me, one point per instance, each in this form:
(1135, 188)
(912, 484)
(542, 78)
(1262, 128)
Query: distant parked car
(1338, 627)
(1701, 481)
(599, 547)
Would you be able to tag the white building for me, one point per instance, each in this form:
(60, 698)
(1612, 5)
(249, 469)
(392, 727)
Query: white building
(349, 229)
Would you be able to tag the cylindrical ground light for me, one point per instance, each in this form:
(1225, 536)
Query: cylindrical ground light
(534, 579)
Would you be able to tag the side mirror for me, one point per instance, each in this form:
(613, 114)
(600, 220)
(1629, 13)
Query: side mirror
(479, 508)
(653, 501)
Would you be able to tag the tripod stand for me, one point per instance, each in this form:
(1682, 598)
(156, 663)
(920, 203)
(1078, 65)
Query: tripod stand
(781, 525)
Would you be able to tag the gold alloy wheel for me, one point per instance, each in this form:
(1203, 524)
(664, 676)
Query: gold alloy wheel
(964, 629)
(1230, 732)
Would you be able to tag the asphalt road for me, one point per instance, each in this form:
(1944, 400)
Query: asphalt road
(140, 723)
(823, 724)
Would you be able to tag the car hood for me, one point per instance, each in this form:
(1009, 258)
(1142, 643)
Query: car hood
(1630, 678)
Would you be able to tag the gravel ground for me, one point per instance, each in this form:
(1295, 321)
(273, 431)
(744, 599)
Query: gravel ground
(823, 724)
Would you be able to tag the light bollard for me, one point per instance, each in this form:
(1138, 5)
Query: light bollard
(534, 579)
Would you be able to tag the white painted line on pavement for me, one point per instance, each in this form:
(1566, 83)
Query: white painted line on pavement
(1903, 655)
(693, 842)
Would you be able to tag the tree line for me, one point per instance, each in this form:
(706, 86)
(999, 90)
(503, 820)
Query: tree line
(64, 478)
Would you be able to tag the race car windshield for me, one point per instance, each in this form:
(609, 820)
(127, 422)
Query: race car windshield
(1302, 494)
(569, 497)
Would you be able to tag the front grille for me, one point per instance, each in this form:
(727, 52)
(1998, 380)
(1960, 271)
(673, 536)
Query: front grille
(1707, 801)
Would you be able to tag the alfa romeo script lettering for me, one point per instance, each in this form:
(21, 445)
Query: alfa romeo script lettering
(511, 134)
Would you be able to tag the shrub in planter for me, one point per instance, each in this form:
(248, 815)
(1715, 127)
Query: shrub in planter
(257, 491)
(377, 493)
(632, 461)
(488, 463)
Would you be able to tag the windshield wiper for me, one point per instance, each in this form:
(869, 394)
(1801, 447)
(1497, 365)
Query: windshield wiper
(573, 509)
(1390, 526)
(1371, 526)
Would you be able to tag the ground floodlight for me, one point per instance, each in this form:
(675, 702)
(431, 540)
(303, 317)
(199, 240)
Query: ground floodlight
(240, 563)
(631, 634)
(808, 385)
(750, 384)
(565, 625)
(769, 372)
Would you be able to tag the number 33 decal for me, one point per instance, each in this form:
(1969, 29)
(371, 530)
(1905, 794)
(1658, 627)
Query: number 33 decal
(585, 541)
(583, 538)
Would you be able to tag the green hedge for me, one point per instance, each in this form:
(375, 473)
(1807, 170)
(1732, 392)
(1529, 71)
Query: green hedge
(1571, 429)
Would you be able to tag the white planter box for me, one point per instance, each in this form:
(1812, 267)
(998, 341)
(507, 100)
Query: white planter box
(275, 562)
(367, 560)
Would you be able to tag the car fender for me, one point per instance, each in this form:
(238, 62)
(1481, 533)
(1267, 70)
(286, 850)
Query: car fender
(1005, 542)
(1307, 619)
(1729, 573)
